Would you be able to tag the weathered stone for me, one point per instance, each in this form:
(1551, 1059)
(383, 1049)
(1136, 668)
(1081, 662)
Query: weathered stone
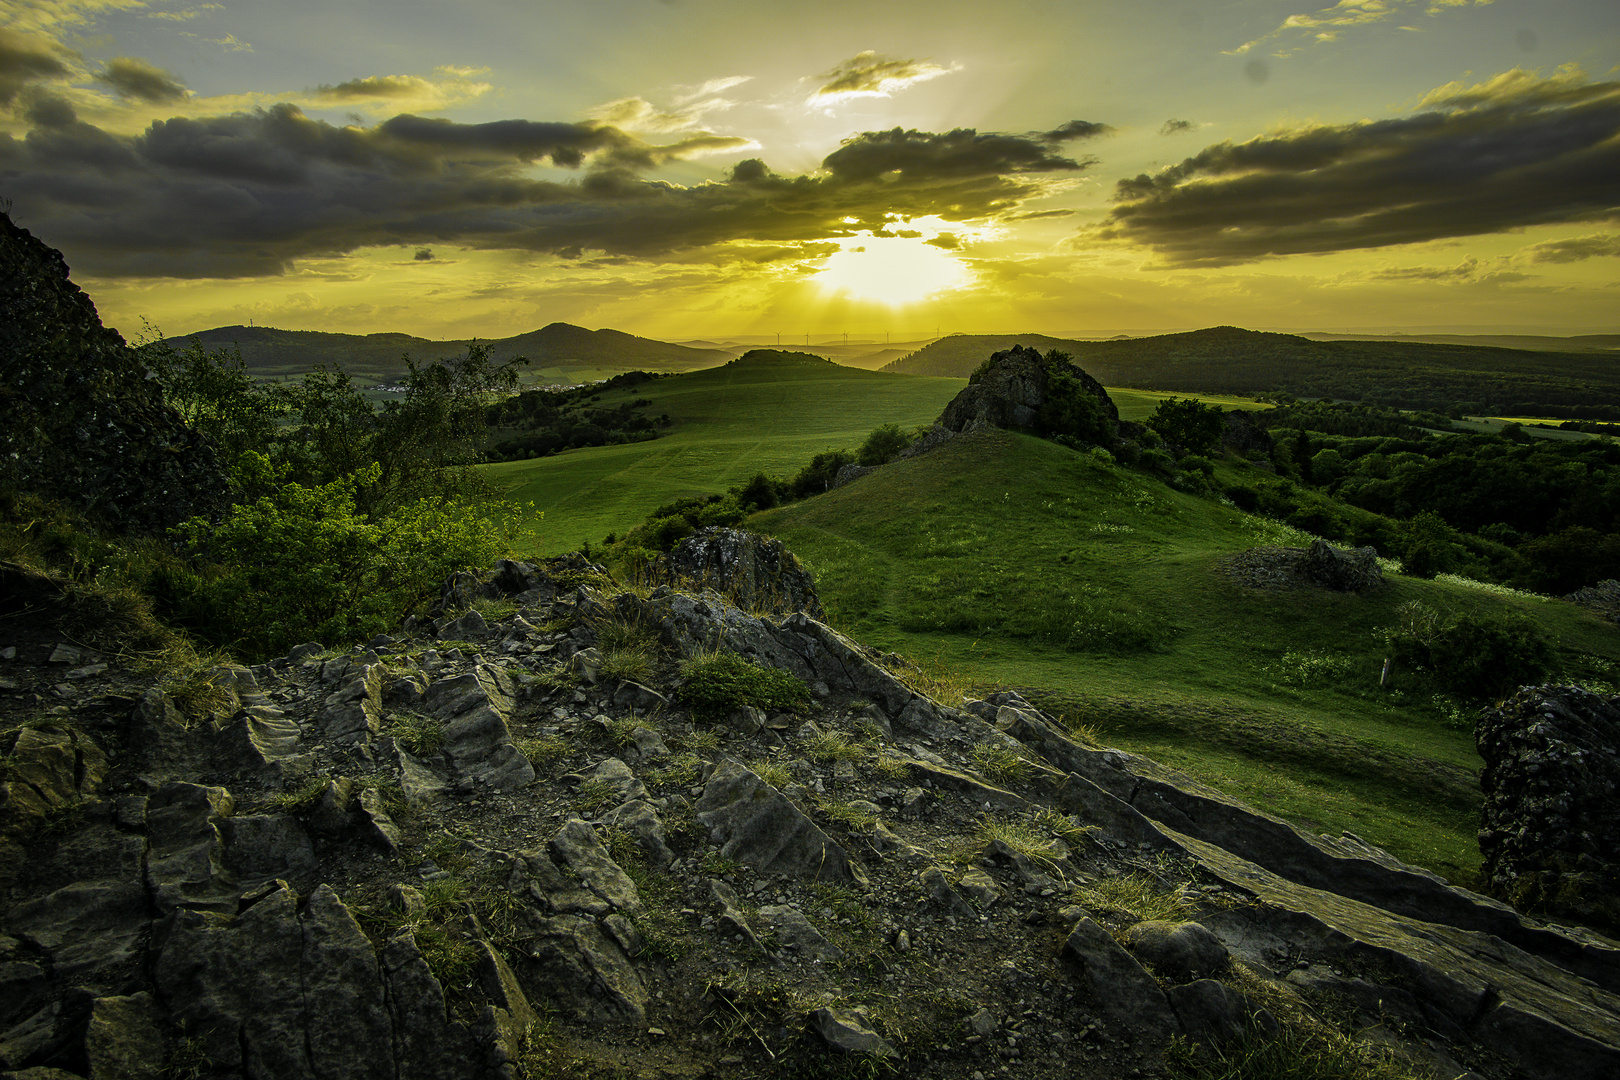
(755, 573)
(1550, 824)
(793, 930)
(755, 824)
(332, 815)
(86, 926)
(638, 698)
(576, 845)
(1344, 570)
(276, 992)
(477, 742)
(353, 711)
(640, 819)
(849, 1031)
(425, 1044)
(946, 898)
(1212, 1012)
(262, 847)
(124, 1039)
(1123, 993)
(587, 971)
(982, 889)
(613, 775)
(185, 863)
(1180, 952)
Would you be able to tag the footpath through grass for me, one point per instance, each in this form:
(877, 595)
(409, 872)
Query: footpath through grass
(769, 414)
(1097, 590)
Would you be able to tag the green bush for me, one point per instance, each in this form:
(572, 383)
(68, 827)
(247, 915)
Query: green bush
(882, 445)
(819, 474)
(716, 683)
(1471, 655)
(1189, 423)
(303, 564)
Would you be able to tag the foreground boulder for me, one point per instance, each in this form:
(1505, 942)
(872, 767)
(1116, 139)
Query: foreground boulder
(1550, 824)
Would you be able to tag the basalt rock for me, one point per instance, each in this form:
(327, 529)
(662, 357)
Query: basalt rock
(754, 572)
(80, 420)
(1012, 390)
(1550, 824)
(1341, 569)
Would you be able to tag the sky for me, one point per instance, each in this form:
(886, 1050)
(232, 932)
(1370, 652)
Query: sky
(705, 169)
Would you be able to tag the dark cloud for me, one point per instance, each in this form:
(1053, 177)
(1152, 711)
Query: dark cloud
(963, 152)
(1512, 153)
(948, 241)
(22, 62)
(133, 78)
(1175, 127)
(377, 86)
(249, 194)
(1575, 249)
(871, 74)
(424, 255)
(1076, 129)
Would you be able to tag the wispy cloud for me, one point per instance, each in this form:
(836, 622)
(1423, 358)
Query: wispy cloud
(1514, 152)
(1176, 127)
(1326, 24)
(871, 74)
(392, 93)
(1574, 249)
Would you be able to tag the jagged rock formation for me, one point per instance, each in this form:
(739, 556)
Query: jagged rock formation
(755, 573)
(1602, 598)
(79, 419)
(1011, 391)
(350, 874)
(1320, 565)
(1550, 826)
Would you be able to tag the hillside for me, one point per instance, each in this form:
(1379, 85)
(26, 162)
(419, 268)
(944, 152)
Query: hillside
(1406, 374)
(765, 411)
(560, 351)
(1098, 590)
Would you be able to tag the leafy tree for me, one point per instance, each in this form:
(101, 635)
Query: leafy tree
(1072, 411)
(1430, 546)
(214, 394)
(818, 475)
(1189, 424)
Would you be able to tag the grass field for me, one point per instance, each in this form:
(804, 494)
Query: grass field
(728, 424)
(1095, 589)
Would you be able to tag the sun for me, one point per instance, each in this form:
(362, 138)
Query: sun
(892, 270)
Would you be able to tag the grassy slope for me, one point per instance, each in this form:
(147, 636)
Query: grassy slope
(954, 556)
(729, 423)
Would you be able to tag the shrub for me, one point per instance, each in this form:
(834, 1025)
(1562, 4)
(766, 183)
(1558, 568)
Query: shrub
(819, 474)
(715, 683)
(882, 445)
(1189, 424)
(1474, 656)
(303, 564)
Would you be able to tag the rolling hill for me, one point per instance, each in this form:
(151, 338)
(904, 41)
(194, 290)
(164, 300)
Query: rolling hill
(558, 351)
(1406, 374)
(767, 411)
(1098, 591)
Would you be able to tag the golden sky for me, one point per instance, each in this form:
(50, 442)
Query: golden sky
(710, 168)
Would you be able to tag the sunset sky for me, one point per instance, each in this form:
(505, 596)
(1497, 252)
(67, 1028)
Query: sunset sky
(704, 168)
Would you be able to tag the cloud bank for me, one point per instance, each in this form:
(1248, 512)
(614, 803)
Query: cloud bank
(1514, 152)
(251, 193)
(871, 74)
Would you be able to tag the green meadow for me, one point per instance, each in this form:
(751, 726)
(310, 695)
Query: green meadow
(770, 414)
(1097, 592)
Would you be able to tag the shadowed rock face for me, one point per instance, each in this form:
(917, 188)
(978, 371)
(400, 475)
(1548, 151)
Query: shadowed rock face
(79, 419)
(755, 573)
(1012, 390)
(1550, 825)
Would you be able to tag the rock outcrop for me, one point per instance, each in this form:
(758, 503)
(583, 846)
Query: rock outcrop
(376, 889)
(1320, 565)
(1550, 825)
(1011, 391)
(753, 572)
(80, 420)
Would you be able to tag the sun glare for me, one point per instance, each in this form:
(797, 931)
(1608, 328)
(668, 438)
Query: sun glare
(891, 270)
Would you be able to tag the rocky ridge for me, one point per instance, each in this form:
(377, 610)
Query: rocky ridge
(481, 847)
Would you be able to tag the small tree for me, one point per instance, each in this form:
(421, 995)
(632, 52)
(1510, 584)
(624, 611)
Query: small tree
(1189, 424)
(882, 445)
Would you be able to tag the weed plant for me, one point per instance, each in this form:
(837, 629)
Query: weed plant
(716, 683)
(1138, 896)
(421, 735)
(999, 763)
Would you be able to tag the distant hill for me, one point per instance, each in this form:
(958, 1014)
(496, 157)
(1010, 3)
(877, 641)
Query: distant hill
(558, 349)
(1531, 342)
(1403, 373)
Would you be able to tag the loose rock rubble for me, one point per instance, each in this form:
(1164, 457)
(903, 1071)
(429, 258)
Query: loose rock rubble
(470, 849)
(1320, 565)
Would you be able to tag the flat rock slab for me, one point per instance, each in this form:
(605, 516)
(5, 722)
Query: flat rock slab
(756, 824)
